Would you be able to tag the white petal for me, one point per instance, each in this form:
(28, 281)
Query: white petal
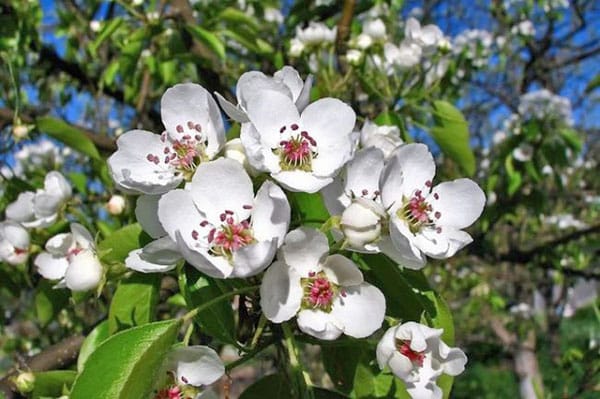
(251, 86)
(52, 267)
(222, 185)
(428, 390)
(303, 250)
(84, 271)
(459, 202)
(131, 169)
(409, 255)
(362, 173)
(329, 121)
(402, 367)
(280, 293)
(254, 258)
(82, 236)
(260, 156)
(233, 111)
(158, 256)
(360, 311)
(60, 244)
(270, 213)
(269, 112)
(291, 78)
(386, 347)
(21, 210)
(331, 158)
(319, 324)
(195, 365)
(342, 271)
(146, 213)
(335, 197)
(299, 180)
(407, 170)
(189, 102)
(45, 205)
(304, 96)
(177, 213)
(454, 359)
(213, 266)
(56, 185)
(15, 234)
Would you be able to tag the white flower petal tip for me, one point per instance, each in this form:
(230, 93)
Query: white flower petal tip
(326, 294)
(71, 258)
(416, 354)
(220, 227)
(14, 243)
(195, 365)
(158, 256)
(302, 152)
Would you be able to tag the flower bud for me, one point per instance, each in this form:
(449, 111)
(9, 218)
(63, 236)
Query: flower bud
(234, 149)
(361, 223)
(354, 57)
(375, 29)
(24, 382)
(115, 205)
(84, 271)
(20, 131)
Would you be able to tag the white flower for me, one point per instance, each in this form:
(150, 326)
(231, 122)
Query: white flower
(302, 152)
(40, 209)
(523, 153)
(20, 131)
(286, 81)
(296, 47)
(416, 354)
(524, 28)
(426, 37)
(194, 365)
(363, 41)
(154, 164)
(274, 15)
(95, 25)
(425, 220)
(327, 294)
(116, 204)
(220, 227)
(14, 243)
(316, 33)
(406, 56)
(354, 57)
(375, 29)
(385, 137)
(71, 258)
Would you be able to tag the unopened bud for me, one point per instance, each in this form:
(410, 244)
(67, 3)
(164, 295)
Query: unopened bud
(361, 223)
(115, 205)
(20, 131)
(234, 149)
(84, 271)
(24, 382)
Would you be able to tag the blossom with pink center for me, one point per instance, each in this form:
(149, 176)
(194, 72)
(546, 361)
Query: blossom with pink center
(286, 81)
(194, 133)
(218, 224)
(71, 258)
(426, 220)
(327, 294)
(416, 354)
(304, 151)
(14, 243)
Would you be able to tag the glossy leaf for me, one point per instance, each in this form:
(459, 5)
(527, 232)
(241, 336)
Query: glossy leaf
(93, 340)
(52, 383)
(134, 302)
(49, 301)
(118, 245)
(126, 365)
(68, 134)
(209, 39)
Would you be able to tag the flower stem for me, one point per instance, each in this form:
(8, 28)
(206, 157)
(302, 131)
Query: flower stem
(262, 322)
(192, 313)
(301, 382)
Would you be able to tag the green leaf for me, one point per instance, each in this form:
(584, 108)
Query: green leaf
(52, 383)
(308, 209)
(276, 386)
(451, 133)
(68, 134)
(79, 180)
(106, 32)
(572, 139)
(49, 301)
(237, 17)
(211, 40)
(218, 319)
(134, 302)
(93, 340)
(341, 362)
(118, 245)
(126, 365)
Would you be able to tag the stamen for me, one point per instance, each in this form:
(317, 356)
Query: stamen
(179, 129)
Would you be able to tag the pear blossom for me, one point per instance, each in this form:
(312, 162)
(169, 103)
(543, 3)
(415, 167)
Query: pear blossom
(303, 152)
(41, 208)
(385, 137)
(14, 243)
(327, 294)
(154, 164)
(402, 57)
(354, 57)
(286, 81)
(375, 28)
(71, 258)
(426, 220)
(417, 355)
(316, 33)
(426, 37)
(219, 226)
(523, 153)
(363, 41)
(296, 47)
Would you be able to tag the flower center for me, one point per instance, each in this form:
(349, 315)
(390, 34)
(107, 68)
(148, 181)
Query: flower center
(184, 154)
(415, 357)
(319, 292)
(416, 211)
(173, 392)
(298, 151)
(229, 237)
